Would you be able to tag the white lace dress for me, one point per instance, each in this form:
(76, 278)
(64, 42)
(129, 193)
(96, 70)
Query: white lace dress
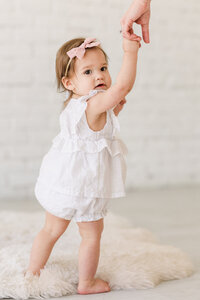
(82, 165)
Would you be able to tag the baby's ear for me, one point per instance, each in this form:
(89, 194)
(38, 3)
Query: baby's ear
(67, 83)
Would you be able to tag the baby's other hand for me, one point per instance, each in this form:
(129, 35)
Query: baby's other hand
(131, 46)
(119, 107)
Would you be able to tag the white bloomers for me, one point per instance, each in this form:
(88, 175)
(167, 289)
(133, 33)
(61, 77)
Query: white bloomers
(79, 209)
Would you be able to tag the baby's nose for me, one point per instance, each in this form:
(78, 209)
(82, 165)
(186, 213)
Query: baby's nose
(99, 75)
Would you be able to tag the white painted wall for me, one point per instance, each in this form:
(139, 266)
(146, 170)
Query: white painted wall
(160, 123)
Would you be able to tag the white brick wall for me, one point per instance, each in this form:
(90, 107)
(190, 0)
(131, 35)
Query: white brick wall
(160, 123)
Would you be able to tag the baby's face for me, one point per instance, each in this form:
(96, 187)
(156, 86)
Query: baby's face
(91, 73)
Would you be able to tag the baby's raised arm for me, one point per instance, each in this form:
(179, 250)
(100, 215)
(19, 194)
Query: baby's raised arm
(124, 82)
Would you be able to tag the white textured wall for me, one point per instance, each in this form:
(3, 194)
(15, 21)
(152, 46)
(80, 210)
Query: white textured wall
(160, 123)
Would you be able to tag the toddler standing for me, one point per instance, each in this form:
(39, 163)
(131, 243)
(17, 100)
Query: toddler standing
(85, 165)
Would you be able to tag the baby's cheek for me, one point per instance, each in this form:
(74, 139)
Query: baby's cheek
(109, 81)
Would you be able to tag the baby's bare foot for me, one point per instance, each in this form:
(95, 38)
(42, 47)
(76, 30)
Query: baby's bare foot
(28, 273)
(93, 287)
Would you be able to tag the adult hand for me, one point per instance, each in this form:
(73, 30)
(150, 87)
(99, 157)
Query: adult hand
(138, 12)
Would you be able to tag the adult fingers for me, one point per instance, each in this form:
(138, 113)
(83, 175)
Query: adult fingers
(131, 36)
(127, 29)
(145, 33)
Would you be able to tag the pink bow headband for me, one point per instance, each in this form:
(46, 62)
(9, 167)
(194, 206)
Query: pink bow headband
(80, 51)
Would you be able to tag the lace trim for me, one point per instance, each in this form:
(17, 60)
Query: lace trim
(76, 144)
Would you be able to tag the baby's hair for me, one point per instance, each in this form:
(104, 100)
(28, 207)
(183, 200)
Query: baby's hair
(63, 66)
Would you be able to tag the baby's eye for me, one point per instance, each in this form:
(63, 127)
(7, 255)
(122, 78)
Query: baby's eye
(87, 72)
(103, 68)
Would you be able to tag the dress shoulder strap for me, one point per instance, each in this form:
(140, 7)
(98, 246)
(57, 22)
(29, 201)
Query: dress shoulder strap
(82, 103)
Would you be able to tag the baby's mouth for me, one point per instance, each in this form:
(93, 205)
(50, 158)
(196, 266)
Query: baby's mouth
(101, 85)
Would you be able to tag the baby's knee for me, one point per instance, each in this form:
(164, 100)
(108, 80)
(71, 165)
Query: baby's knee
(91, 230)
(53, 233)
(55, 227)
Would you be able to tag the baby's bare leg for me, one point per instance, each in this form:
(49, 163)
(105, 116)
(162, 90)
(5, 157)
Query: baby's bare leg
(89, 258)
(43, 244)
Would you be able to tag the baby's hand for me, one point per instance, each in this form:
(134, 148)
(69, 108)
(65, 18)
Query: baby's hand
(119, 107)
(131, 46)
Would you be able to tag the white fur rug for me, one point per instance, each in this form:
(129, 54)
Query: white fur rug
(130, 258)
